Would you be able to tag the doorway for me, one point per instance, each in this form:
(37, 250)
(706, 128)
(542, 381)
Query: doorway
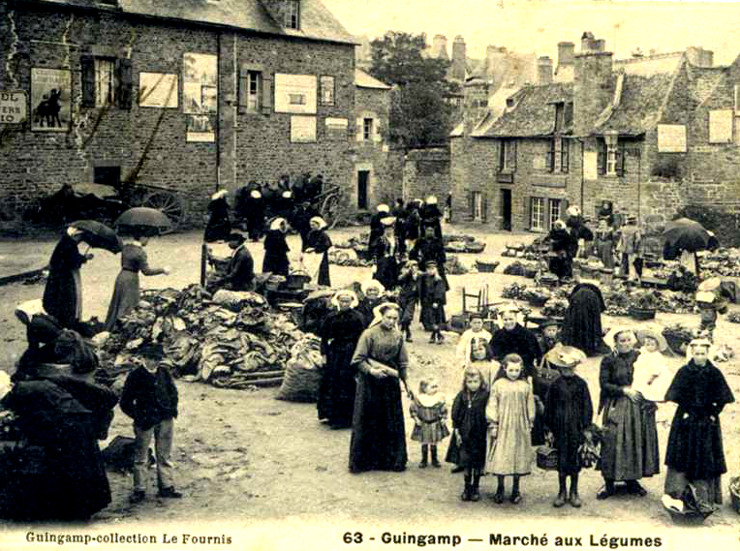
(506, 209)
(363, 181)
(107, 176)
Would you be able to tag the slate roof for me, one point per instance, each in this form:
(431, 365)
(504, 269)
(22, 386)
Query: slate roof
(317, 22)
(364, 80)
(533, 113)
(640, 106)
(704, 80)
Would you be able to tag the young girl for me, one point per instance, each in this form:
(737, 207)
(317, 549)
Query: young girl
(652, 374)
(469, 430)
(476, 331)
(568, 412)
(510, 413)
(429, 412)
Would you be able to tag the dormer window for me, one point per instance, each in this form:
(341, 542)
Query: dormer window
(293, 14)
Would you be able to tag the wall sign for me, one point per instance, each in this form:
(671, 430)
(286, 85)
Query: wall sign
(336, 128)
(720, 126)
(13, 107)
(158, 90)
(295, 94)
(51, 100)
(671, 138)
(302, 129)
(590, 165)
(199, 96)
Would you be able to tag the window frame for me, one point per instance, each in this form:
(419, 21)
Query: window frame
(292, 15)
(564, 155)
(367, 131)
(537, 213)
(254, 97)
(323, 87)
(507, 156)
(113, 82)
(552, 203)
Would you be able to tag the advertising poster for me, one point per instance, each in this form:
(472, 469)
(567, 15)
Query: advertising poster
(199, 91)
(295, 94)
(158, 90)
(51, 92)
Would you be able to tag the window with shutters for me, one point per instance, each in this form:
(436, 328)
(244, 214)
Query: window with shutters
(537, 213)
(105, 82)
(293, 14)
(556, 209)
(326, 90)
(551, 155)
(477, 206)
(255, 90)
(564, 155)
(611, 156)
(252, 82)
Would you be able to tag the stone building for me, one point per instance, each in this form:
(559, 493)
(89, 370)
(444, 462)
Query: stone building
(181, 95)
(649, 134)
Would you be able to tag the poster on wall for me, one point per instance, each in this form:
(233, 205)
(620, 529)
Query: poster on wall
(199, 96)
(671, 138)
(51, 100)
(336, 128)
(590, 165)
(158, 90)
(302, 129)
(295, 94)
(720, 126)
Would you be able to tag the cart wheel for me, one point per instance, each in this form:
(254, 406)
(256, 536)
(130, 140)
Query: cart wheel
(169, 203)
(330, 210)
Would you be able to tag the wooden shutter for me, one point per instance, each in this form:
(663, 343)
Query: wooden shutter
(359, 130)
(551, 155)
(529, 207)
(243, 90)
(484, 213)
(266, 93)
(471, 205)
(513, 155)
(565, 155)
(602, 157)
(87, 63)
(377, 136)
(125, 82)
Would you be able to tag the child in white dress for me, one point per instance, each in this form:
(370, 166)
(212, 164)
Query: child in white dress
(652, 376)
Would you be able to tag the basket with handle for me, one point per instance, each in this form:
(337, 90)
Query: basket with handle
(547, 455)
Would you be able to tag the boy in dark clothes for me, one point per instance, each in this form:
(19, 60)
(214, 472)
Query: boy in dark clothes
(150, 398)
(408, 295)
(432, 294)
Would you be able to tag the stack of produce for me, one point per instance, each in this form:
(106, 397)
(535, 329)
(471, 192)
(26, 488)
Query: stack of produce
(230, 339)
(514, 291)
(453, 266)
(520, 268)
(555, 307)
(347, 258)
(463, 244)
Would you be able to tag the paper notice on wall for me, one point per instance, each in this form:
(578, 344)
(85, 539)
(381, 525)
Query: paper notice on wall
(302, 129)
(51, 100)
(720, 126)
(539, 162)
(336, 128)
(295, 94)
(671, 138)
(158, 90)
(590, 165)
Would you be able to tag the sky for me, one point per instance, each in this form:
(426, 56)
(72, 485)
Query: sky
(538, 25)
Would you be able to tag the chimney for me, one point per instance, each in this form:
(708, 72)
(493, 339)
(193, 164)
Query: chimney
(439, 47)
(700, 57)
(566, 53)
(544, 70)
(475, 103)
(592, 85)
(459, 58)
(587, 42)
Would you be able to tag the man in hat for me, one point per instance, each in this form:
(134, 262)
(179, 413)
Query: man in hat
(548, 336)
(432, 293)
(376, 224)
(240, 273)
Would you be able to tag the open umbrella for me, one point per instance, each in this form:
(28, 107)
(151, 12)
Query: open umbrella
(143, 220)
(684, 234)
(98, 235)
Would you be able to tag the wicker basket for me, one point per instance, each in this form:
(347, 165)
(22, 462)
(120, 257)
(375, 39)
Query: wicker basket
(530, 273)
(538, 301)
(641, 314)
(676, 343)
(486, 267)
(547, 458)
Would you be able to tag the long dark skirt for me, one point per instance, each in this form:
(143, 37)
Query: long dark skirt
(276, 263)
(707, 490)
(125, 297)
(582, 323)
(324, 277)
(695, 447)
(629, 450)
(337, 391)
(378, 431)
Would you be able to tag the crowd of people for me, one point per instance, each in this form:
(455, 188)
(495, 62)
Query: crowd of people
(519, 388)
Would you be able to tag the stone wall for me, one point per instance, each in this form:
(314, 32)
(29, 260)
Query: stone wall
(427, 172)
(149, 144)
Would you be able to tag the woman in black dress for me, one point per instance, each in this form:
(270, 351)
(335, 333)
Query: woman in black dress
(319, 243)
(255, 214)
(629, 450)
(582, 324)
(276, 249)
(339, 335)
(63, 293)
(219, 222)
(695, 453)
(562, 245)
(386, 267)
(378, 432)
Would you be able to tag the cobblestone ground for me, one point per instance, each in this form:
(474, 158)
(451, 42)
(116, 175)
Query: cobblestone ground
(246, 457)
